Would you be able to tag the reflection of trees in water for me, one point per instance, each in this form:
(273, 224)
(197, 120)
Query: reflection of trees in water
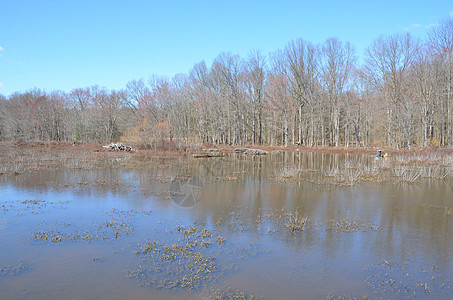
(417, 219)
(413, 217)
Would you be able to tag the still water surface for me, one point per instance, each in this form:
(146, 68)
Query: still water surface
(284, 237)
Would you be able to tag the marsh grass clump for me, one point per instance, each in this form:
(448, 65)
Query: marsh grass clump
(409, 169)
(288, 172)
(352, 172)
(371, 171)
(344, 176)
(404, 168)
(281, 221)
(294, 173)
(422, 159)
(290, 225)
(185, 264)
(14, 168)
(407, 174)
(12, 270)
(296, 222)
(435, 172)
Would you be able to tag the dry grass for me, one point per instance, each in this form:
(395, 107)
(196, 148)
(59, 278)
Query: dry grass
(401, 168)
(407, 174)
(345, 176)
(435, 172)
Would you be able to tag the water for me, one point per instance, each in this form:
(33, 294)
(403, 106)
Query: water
(285, 237)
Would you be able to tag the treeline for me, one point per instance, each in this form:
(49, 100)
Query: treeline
(400, 95)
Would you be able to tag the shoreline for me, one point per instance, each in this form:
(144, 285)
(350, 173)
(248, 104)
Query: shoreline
(98, 147)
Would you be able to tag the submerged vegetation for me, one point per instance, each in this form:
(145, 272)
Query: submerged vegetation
(406, 279)
(231, 293)
(118, 225)
(12, 270)
(180, 265)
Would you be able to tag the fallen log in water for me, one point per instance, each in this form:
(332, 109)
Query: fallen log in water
(206, 155)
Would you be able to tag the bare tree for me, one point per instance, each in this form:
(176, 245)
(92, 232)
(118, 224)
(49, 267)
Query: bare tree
(388, 61)
(137, 94)
(80, 104)
(336, 69)
(441, 44)
(314, 95)
(226, 67)
(279, 106)
(301, 62)
(254, 79)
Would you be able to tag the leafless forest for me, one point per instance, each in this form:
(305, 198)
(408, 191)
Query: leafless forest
(399, 95)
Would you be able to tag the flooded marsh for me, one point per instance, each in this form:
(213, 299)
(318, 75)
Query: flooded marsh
(287, 225)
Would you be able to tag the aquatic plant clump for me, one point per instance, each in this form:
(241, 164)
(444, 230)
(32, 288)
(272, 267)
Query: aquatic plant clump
(231, 293)
(344, 297)
(181, 265)
(11, 270)
(284, 221)
(296, 222)
(51, 236)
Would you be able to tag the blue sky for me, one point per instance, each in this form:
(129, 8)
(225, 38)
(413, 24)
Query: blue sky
(62, 45)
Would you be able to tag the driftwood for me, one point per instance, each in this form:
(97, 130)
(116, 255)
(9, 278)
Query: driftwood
(240, 150)
(210, 150)
(256, 152)
(205, 155)
(118, 147)
(250, 151)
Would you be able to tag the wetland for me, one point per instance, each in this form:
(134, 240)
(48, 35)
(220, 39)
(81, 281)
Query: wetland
(82, 223)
